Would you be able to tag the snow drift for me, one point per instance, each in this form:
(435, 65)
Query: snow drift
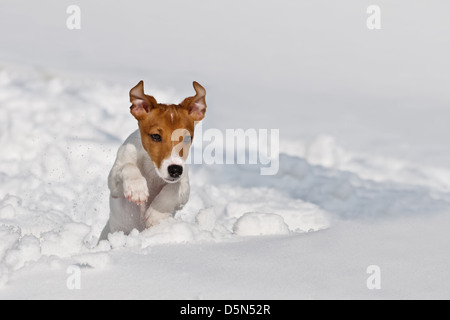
(363, 170)
(54, 197)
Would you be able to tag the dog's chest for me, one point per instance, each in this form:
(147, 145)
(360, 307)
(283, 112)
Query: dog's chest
(154, 182)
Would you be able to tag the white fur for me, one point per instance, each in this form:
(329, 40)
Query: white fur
(139, 196)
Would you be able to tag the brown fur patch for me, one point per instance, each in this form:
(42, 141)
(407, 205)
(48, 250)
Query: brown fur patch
(164, 120)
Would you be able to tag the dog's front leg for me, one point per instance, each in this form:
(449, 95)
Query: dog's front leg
(126, 178)
(134, 184)
(172, 197)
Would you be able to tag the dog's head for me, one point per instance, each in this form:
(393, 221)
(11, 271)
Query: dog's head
(167, 131)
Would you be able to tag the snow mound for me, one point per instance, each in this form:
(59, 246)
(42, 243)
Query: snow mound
(170, 231)
(299, 216)
(257, 224)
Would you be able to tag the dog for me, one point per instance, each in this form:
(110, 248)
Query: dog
(149, 181)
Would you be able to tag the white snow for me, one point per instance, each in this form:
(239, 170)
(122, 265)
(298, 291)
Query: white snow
(364, 166)
(259, 224)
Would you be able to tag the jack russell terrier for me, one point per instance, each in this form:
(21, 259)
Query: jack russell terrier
(149, 180)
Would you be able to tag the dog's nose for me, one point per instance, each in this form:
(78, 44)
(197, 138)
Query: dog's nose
(175, 171)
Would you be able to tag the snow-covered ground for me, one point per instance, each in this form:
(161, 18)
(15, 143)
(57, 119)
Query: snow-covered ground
(364, 166)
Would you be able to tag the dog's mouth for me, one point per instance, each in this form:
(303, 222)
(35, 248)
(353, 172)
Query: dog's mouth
(171, 180)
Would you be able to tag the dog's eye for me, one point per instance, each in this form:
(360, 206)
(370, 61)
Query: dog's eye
(156, 137)
(187, 139)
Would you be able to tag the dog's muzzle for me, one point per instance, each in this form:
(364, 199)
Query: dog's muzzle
(175, 171)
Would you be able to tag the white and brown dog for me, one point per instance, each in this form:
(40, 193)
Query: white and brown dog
(149, 180)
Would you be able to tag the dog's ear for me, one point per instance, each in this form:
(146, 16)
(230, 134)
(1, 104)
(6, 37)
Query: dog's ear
(141, 103)
(196, 105)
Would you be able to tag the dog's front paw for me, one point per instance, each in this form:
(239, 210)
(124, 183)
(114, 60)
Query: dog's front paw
(136, 190)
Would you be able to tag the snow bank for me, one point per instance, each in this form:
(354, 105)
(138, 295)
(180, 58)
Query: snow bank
(54, 165)
(54, 198)
(364, 168)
